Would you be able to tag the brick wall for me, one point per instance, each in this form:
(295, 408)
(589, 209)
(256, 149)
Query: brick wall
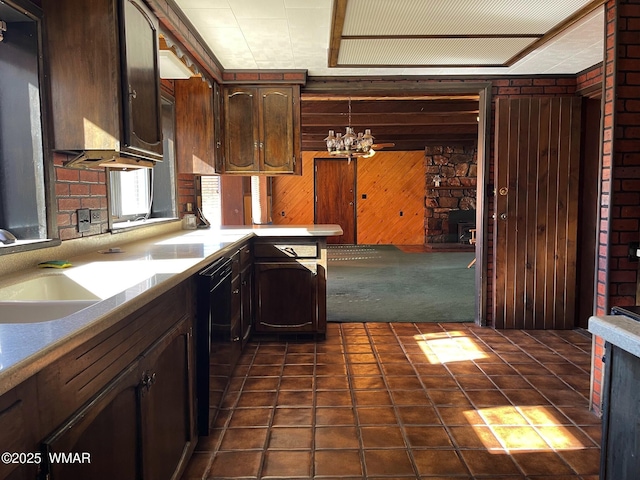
(620, 180)
(76, 188)
(597, 374)
(590, 78)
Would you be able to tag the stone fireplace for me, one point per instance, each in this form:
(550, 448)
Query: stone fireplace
(450, 199)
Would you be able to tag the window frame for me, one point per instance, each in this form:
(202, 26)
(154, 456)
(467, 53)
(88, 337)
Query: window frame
(52, 236)
(126, 223)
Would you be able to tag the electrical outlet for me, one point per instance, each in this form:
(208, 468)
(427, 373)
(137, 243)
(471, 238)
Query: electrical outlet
(84, 220)
(95, 216)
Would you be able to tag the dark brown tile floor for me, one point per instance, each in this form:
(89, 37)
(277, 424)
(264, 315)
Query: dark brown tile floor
(408, 401)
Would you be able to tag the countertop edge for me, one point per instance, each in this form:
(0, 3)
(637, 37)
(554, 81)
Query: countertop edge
(20, 371)
(619, 330)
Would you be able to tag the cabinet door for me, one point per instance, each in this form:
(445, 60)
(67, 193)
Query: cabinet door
(241, 130)
(246, 318)
(106, 429)
(194, 127)
(141, 80)
(277, 135)
(286, 296)
(166, 413)
(218, 133)
(18, 431)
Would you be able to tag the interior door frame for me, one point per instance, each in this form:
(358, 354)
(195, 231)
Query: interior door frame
(484, 192)
(355, 191)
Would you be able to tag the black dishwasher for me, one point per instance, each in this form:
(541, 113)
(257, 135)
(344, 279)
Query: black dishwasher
(213, 337)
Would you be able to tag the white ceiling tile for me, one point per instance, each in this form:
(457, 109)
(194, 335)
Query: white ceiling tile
(258, 9)
(202, 4)
(212, 18)
(308, 4)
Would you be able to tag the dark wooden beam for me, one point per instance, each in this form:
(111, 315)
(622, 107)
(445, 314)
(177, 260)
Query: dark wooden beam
(337, 24)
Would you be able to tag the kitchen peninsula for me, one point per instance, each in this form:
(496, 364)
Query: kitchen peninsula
(128, 359)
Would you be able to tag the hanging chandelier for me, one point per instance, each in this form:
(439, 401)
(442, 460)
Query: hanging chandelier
(349, 144)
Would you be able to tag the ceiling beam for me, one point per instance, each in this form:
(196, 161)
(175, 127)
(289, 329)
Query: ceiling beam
(337, 25)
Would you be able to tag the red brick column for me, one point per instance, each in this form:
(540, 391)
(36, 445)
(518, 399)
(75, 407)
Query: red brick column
(620, 182)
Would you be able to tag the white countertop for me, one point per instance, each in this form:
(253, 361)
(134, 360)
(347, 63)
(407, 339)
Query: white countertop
(618, 330)
(125, 281)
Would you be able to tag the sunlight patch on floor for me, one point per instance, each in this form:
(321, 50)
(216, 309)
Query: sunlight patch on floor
(454, 346)
(517, 432)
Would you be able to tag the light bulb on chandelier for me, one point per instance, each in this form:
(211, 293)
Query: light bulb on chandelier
(349, 144)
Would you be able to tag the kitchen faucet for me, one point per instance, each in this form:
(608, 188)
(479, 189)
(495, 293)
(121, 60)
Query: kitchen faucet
(7, 237)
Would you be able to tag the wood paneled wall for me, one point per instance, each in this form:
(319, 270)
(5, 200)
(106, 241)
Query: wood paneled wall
(393, 182)
(293, 196)
(393, 212)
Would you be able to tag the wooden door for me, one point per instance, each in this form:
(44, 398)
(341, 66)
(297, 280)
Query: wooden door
(536, 206)
(335, 192)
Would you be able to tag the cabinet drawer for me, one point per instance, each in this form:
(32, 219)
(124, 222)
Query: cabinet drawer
(286, 250)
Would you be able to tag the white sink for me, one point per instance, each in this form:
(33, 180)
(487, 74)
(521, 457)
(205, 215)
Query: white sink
(46, 288)
(43, 298)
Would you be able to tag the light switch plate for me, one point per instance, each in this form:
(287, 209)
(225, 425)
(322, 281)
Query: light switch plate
(84, 220)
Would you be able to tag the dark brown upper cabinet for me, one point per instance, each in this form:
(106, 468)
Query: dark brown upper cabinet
(104, 81)
(196, 126)
(262, 130)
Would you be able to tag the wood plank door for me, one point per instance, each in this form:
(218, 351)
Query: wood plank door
(335, 192)
(536, 210)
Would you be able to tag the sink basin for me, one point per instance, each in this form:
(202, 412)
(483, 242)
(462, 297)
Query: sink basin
(46, 288)
(43, 298)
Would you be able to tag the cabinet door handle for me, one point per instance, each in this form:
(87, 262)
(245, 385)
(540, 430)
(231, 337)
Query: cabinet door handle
(236, 291)
(148, 381)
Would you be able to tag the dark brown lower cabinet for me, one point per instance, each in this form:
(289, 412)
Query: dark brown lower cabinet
(286, 297)
(166, 410)
(118, 406)
(620, 451)
(106, 429)
(290, 285)
(138, 426)
(18, 425)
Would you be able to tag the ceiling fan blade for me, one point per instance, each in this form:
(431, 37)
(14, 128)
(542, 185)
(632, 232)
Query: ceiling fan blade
(378, 146)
